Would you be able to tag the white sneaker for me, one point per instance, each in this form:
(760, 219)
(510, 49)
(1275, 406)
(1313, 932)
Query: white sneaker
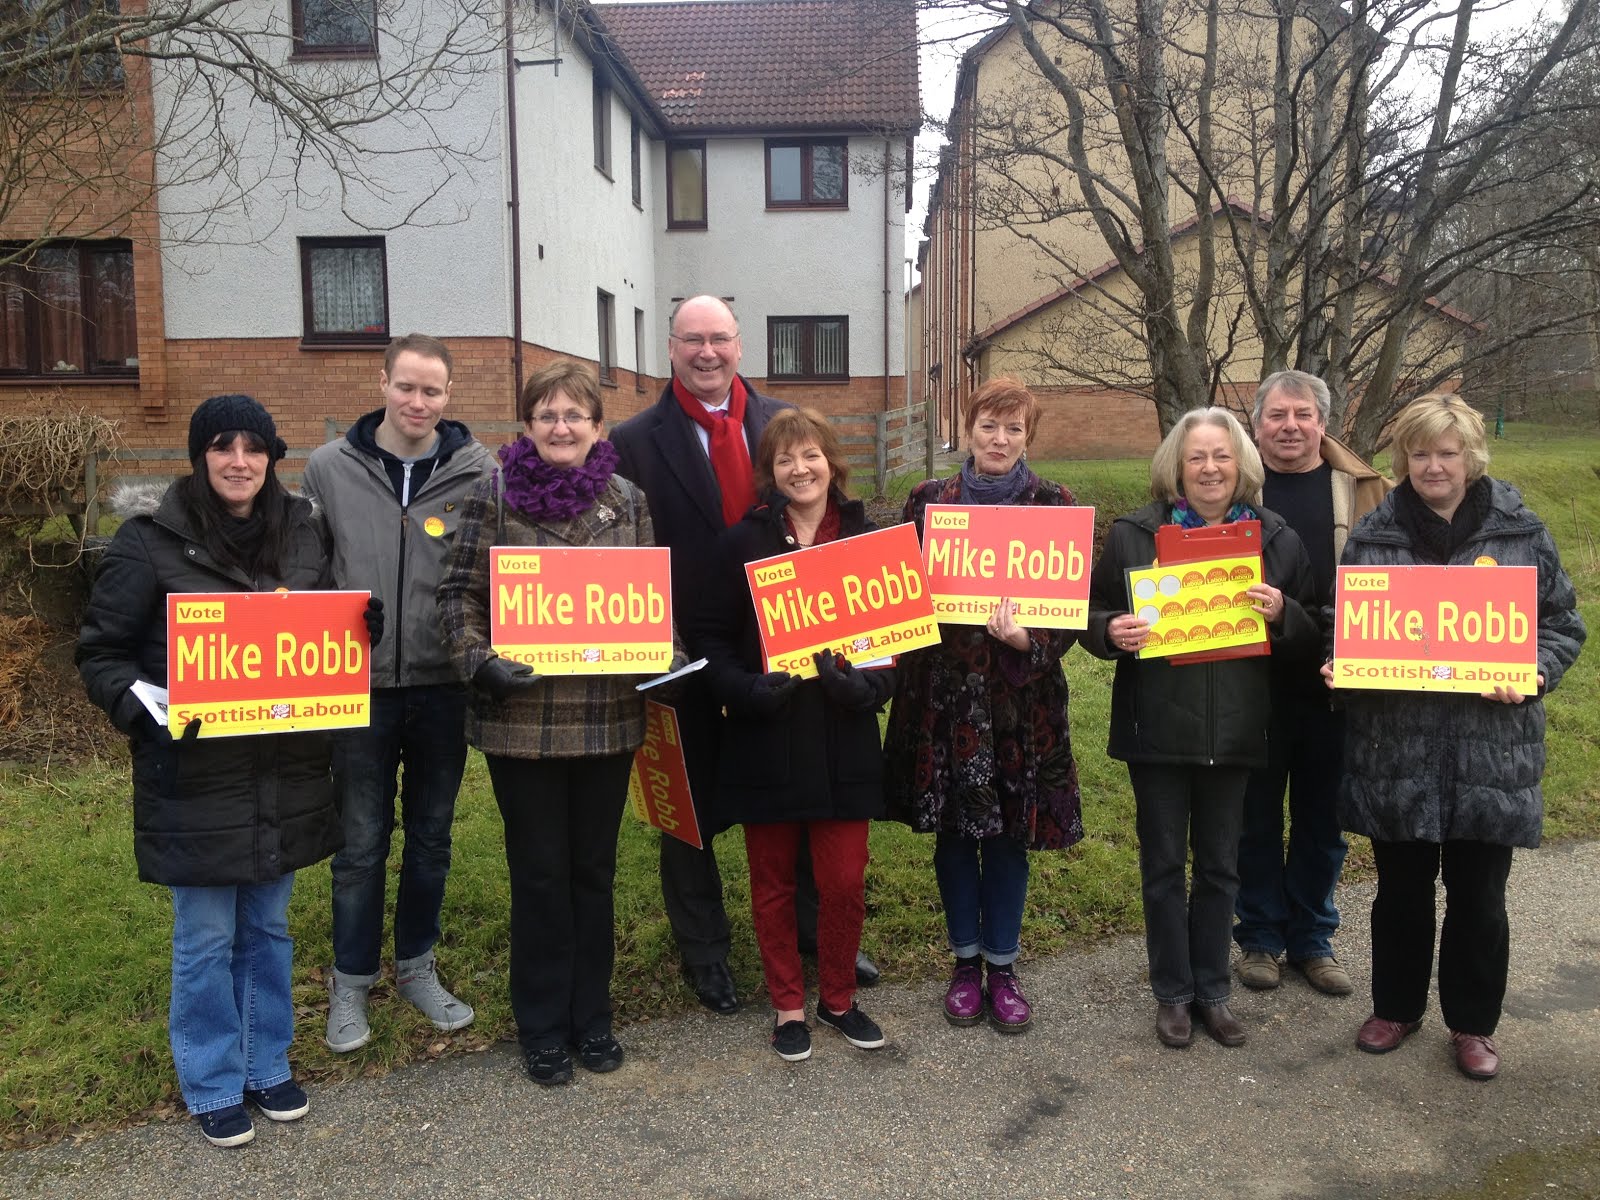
(417, 982)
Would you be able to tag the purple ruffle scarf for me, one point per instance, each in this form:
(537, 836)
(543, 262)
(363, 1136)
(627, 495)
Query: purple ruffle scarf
(546, 493)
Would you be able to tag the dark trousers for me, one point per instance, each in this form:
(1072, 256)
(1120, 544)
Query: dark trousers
(1188, 932)
(561, 817)
(1474, 947)
(419, 734)
(839, 862)
(1285, 898)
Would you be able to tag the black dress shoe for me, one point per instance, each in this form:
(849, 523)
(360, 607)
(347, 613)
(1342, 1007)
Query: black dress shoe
(1221, 1024)
(867, 972)
(713, 983)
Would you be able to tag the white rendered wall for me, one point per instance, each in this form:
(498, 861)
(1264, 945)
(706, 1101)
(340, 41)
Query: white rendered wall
(443, 217)
(590, 233)
(792, 263)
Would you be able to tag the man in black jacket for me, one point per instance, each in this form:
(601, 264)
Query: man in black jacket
(698, 481)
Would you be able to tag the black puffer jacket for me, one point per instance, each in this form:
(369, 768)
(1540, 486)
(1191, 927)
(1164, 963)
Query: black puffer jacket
(217, 811)
(814, 761)
(1212, 713)
(1435, 766)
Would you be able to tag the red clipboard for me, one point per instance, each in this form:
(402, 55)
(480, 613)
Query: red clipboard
(1235, 539)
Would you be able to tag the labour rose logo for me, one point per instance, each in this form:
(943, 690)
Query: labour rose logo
(280, 711)
(860, 644)
(591, 656)
(1444, 673)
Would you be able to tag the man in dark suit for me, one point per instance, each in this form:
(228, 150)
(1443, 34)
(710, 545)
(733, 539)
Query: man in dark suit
(698, 481)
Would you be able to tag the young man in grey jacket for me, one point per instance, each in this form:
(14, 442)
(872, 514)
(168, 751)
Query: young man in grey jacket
(391, 491)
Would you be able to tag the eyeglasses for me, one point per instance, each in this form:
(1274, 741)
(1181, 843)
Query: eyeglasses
(717, 341)
(572, 419)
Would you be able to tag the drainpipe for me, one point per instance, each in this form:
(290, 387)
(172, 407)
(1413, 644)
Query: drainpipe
(887, 396)
(514, 203)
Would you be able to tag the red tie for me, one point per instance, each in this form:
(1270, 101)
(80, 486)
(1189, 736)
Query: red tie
(730, 457)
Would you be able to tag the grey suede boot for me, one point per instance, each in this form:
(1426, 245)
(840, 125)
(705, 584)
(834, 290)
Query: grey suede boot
(417, 982)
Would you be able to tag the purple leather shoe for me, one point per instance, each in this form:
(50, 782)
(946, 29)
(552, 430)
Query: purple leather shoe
(1009, 1012)
(963, 1001)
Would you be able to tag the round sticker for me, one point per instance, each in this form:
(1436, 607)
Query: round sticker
(434, 527)
(1148, 615)
(1484, 560)
(1144, 589)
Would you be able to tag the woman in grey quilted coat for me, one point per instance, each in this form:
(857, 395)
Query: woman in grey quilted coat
(1449, 782)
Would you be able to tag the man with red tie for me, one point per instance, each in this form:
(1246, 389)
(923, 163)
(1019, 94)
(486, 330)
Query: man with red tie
(690, 453)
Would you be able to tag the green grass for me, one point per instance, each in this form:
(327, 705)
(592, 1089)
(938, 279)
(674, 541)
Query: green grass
(83, 981)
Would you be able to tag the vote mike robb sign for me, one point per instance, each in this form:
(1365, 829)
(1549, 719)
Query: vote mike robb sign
(1436, 629)
(267, 662)
(590, 610)
(1035, 556)
(864, 597)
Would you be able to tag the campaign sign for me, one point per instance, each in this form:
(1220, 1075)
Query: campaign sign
(1199, 605)
(658, 785)
(864, 598)
(592, 610)
(1037, 556)
(1436, 629)
(267, 662)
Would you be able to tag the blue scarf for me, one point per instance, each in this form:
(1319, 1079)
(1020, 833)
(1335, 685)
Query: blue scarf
(1185, 516)
(977, 488)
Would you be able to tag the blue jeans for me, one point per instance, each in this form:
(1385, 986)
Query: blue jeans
(232, 1015)
(983, 883)
(423, 728)
(1285, 901)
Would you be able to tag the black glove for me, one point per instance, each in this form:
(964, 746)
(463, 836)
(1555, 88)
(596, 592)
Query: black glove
(769, 694)
(153, 731)
(504, 679)
(374, 618)
(842, 684)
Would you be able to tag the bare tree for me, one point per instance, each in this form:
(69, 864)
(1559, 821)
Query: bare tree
(221, 107)
(1272, 180)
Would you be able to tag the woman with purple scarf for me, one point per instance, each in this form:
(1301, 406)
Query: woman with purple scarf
(977, 750)
(559, 748)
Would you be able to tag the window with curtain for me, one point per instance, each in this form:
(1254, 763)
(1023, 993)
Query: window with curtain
(686, 185)
(807, 348)
(335, 26)
(69, 309)
(57, 25)
(807, 173)
(345, 290)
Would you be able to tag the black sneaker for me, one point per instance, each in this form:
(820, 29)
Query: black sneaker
(549, 1066)
(792, 1040)
(600, 1054)
(226, 1126)
(280, 1102)
(859, 1029)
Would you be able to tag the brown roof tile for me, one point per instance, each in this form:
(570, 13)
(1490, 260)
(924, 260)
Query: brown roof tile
(724, 66)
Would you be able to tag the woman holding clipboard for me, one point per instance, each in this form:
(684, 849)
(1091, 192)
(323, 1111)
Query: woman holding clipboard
(1190, 734)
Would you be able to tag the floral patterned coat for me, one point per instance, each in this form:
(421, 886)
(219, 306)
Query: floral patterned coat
(977, 742)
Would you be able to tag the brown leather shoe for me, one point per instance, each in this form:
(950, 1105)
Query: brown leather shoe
(1379, 1036)
(1220, 1023)
(1173, 1026)
(1325, 974)
(1259, 970)
(1476, 1056)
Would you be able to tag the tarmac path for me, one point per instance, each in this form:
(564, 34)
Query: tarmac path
(1086, 1105)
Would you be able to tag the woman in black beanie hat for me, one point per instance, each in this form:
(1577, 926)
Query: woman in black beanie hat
(223, 822)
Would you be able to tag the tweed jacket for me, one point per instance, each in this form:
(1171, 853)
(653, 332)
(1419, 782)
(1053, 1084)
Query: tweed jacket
(1435, 766)
(566, 716)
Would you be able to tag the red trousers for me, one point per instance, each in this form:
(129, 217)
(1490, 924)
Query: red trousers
(839, 863)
